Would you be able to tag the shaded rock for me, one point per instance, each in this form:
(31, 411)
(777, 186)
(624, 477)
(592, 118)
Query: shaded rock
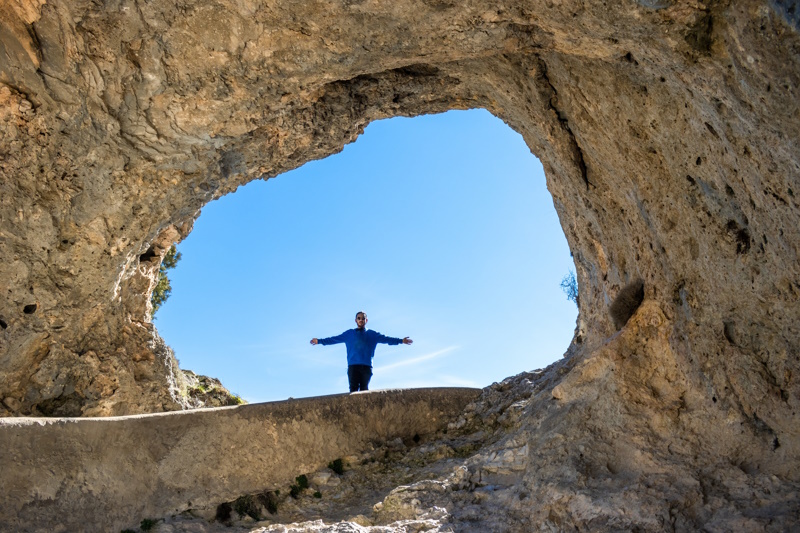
(668, 133)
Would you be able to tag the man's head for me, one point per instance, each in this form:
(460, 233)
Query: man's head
(361, 319)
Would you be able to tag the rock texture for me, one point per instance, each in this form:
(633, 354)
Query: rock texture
(668, 130)
(150, 465)
(203, 391)
(500, 466)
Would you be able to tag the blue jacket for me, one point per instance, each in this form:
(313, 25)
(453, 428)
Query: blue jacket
(360, 344)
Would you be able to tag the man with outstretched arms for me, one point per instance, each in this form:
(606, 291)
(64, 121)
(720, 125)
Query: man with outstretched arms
(361, 344)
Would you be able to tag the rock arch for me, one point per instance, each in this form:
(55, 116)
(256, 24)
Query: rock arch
(668, 132)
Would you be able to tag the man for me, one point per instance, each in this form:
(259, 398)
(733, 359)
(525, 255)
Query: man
(361, 344)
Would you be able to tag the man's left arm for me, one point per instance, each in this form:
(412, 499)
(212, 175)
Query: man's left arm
(385, 339)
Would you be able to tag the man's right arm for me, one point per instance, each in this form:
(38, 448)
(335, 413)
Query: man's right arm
(329, 340)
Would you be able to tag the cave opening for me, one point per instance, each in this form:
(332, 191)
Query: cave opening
(440, 227)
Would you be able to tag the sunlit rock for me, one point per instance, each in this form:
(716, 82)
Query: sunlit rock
(668, 132)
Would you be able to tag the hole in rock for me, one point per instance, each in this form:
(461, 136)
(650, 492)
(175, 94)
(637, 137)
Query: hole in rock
(3, 324)
(741, 235)
(29, 309)
(223, 513)
(440, 227)
(729, 330)
(148, 255)
(626, 303)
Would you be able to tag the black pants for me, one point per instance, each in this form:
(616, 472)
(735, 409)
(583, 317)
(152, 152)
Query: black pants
(359, 376)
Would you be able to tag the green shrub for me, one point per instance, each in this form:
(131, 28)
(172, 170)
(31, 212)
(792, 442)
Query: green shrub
(147, 524)
(163, 289)
(245, 505)
(302, 481)
(318, 494)
(337, 466)
(269, 500)
(294, 491)
(465, 451)
(570, 287)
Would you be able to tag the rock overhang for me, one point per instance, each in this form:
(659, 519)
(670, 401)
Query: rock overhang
(668, 134)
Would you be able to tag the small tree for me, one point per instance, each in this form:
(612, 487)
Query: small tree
(570, 287)
(163, 288)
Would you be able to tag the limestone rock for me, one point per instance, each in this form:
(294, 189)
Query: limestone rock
(475, 479)
(668, 131)
(188, 463)
(204, 391)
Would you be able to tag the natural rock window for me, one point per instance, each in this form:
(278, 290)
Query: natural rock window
(440, 226)
(668, 133)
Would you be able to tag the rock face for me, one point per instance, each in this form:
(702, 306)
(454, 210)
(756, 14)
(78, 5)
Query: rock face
(668, 131)
(501, 467)
(204, 391)
(152, 465)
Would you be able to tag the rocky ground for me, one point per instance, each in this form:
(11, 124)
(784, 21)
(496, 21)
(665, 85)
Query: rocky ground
(508, 464)
(430, 484)
(203, 391)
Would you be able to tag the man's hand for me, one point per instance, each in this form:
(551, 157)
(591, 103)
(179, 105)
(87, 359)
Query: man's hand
(314, 341)
(406, 340)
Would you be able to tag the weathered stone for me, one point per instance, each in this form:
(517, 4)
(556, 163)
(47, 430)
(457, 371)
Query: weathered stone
(153, 465)
(668, 132)
(204, 391)
(600, 484)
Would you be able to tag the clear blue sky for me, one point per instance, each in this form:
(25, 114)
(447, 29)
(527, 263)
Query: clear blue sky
(439, 227)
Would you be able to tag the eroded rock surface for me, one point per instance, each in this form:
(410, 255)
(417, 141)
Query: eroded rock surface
(136, 467)
(510, 463)
(668, 131)
(205, 391)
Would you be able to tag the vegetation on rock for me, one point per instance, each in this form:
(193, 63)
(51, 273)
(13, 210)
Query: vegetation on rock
(204, 391)
(570, 287)
(247, 506)
(269, 500)
(337, 466)
(163, 288)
